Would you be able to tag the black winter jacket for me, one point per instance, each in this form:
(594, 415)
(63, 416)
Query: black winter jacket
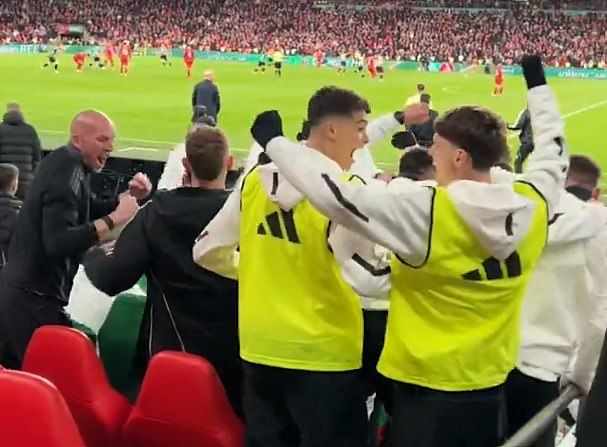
(9, 209)
(20, 145)
(188, 308)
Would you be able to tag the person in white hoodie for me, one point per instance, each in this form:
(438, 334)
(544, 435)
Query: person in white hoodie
(300, 319)
(566, 293)
(463, 253)
(583, 180)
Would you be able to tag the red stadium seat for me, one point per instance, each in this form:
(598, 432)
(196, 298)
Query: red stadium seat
(34, 414)
(67, 358)
(182, 403)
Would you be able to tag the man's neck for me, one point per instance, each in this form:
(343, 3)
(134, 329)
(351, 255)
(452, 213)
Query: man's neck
(321, 146)
(208, 184)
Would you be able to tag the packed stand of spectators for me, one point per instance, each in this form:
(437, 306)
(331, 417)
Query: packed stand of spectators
(396, 32)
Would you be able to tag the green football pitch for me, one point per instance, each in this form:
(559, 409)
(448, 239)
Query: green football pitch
(151, 107)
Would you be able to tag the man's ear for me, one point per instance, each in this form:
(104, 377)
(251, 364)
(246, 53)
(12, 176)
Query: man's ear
(229, 162)
(596, 193)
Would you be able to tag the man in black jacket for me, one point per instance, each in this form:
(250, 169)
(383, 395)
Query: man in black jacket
(188, 308)
(19, 145)
(206, 94)
(59, 221)
(9, 207)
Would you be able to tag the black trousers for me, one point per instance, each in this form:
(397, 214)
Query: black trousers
(592, 429)
(423, 417)
(290, 408)
(525, 397)
(373, 343)
(21, 313)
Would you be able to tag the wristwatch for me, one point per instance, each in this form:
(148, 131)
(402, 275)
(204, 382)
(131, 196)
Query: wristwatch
(109, 222)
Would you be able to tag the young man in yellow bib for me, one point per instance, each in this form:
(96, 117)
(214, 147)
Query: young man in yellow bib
(300, 319)
(463, 253)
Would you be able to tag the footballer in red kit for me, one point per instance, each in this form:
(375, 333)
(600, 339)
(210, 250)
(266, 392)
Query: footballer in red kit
(125, 57)
(109, 53)
(498, 89)
(371, 67)
(318, 56)
(79, 59)
(188, 59)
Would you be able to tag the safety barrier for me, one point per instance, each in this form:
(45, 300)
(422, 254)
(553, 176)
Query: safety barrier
(534, 428)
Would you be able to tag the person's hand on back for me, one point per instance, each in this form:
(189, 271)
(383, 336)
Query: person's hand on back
(266, 127)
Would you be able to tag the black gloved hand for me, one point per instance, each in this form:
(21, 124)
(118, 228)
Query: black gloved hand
(404, 139)
(533, 71)
(267, 125)
(304, 133)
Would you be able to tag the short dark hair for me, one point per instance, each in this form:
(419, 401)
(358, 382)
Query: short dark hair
(583, 171)
(8, 174)
(421, 87)
(206, 148)
(425, 98)
(478, 131)
(333, 100)
(414, 163)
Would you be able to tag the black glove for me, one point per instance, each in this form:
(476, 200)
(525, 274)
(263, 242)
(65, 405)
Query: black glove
(533, 71)
(404, 139)
(267, 125)
(304, 133)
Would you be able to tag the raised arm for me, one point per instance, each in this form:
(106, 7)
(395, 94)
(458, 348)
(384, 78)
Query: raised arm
(547, 165)
(215, 248)
(399, 221)
(382, 127)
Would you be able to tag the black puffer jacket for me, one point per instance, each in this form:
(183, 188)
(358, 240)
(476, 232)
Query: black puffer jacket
(9, 209)
(20, 145)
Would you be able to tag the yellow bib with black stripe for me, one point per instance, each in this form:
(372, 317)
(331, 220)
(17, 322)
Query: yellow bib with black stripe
(295, 309)
(454, 322)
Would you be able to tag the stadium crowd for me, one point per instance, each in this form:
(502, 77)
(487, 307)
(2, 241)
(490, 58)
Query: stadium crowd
(456, 250)
(396, 31)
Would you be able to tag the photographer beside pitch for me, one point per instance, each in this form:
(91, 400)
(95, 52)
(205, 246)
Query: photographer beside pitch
(463, 253)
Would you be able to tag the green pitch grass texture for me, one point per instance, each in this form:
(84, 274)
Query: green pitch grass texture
(151, 107)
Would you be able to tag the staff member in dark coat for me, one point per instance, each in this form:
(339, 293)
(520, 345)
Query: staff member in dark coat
(20, 146)
(59, 221)
(523, 125)
(189, 308)
(9, 207)
(206, 94)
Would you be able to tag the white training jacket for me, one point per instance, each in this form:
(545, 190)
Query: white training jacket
(400, 219)
(566, 298)
(363, 265)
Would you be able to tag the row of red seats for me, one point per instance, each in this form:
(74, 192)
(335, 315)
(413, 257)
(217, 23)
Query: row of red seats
(181, 402)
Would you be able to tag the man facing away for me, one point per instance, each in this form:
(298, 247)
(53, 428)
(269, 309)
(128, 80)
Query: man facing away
(9, 207)
(463, 253)
(188, 308)
(19, 145)
(564, 304)
(300, 321)
(59, 221)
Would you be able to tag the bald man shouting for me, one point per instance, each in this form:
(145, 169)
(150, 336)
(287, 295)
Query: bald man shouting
(59, 222)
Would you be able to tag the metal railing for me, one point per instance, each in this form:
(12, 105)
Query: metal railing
(536, 426)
